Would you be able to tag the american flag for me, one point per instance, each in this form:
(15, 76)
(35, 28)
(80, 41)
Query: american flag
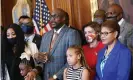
(41, 17)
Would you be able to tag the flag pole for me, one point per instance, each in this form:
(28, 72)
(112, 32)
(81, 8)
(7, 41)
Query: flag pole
(41, 22)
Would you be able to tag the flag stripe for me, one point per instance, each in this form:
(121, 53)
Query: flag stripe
(36, 28)
(41, 16)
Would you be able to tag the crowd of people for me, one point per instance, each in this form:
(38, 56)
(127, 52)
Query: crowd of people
(101, 51)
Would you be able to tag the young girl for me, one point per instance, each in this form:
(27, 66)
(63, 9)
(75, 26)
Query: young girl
(77, 69)
(27, 71)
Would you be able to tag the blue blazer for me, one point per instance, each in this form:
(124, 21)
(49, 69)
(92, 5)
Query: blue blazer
(118, 64)
(57, 56)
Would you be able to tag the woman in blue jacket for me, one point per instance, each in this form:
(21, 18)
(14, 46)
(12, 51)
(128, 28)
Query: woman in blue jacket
(114, 60)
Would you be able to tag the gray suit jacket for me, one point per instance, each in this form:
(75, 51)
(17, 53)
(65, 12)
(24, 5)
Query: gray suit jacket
(126, 34)
(57, 57)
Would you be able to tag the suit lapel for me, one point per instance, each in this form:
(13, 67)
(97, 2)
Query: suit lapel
(34, 39)
(62, 32)
(111, 57)
(122, 27)
(99, 62)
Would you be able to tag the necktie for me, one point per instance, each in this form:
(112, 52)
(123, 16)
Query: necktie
(55, 36)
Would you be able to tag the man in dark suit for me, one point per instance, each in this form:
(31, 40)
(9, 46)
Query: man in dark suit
(30, 36)
(56, 53)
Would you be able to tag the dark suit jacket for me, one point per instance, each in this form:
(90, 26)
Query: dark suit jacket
(57, 57)
(37, 40)
(118, 64)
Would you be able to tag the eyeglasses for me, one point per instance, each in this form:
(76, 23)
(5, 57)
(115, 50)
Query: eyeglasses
(105, 33)
(55, 16)
(110, 13)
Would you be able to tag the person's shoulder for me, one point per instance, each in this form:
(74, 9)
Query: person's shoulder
(127, 24)
(85, 74)
(71, 31)
(37, 35)
(121, 45)
(74, 29)
(123, 48)
(70, 28)
(65, 70)
(85, 70)
(47, 33)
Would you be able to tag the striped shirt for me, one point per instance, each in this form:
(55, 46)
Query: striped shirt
(74, 74)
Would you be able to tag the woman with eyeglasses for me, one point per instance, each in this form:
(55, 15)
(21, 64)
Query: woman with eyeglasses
(91, 31)
(114, 60)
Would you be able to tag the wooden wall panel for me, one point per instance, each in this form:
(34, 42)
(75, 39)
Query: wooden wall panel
(63, 4)
(49, 4)
(75, 15)
(80, 13)
(6, 11)
(78, 10)
(85, 12)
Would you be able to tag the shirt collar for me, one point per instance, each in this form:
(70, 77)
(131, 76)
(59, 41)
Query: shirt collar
(30, 38)
(58, 31)
(120, 22)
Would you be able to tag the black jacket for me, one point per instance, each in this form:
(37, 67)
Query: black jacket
(37, 40)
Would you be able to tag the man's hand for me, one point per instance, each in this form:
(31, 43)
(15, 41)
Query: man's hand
(41, 57)
(30, 76)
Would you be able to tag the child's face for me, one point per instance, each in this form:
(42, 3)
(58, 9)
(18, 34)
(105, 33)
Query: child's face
(23, 69)
(72, 57)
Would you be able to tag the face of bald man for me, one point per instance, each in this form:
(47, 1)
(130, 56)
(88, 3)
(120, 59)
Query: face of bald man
(114, 12)
(57, 18)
